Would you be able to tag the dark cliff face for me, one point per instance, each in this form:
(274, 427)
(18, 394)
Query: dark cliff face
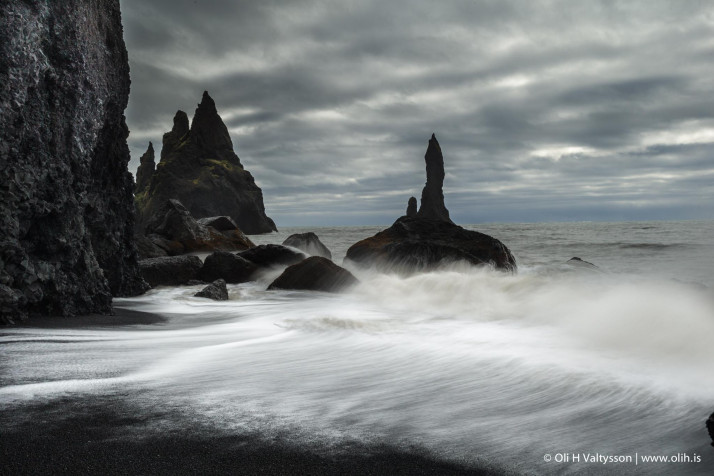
(432, 196)
(199, 168)
(66, 205)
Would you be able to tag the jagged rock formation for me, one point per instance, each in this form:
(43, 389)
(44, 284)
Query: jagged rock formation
(216, 290)
(432, 196)
(429, 238)
(147, 165)
(309, 243)
(174, 230)
(66, 209)
(411, 207)
(315, 274)
(199, 167)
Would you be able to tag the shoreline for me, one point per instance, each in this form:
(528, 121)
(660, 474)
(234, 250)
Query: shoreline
(104, 436)
(121, 317)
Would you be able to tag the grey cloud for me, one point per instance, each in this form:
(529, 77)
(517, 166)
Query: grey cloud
(331, 103)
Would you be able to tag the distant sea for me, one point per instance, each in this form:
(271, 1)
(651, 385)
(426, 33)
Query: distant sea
(514, 371)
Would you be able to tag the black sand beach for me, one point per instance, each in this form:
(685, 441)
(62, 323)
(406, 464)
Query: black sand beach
(107, 434)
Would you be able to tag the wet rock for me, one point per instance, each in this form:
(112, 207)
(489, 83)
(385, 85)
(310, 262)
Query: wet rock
(173, 229)
(412, 207)
(228, 266)
(199, 167)
(315, 274)
(710, 427)
(148, 249)
(429, 238)
(170, 270)
(216, 290)
(580, 263)
(222, 223)
(309, 243)
(271, 255)
(66, 207)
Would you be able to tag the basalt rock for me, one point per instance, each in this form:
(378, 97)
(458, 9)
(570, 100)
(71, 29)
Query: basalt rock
(228, 266)
(271, 255)
(432, 196)
(170, 270)
(412, 207)
(174, 230)
(429, 238)
(147, 165)
(309, 243)
(199, 167)
(315, 274)
(66, 207)
(216, 290)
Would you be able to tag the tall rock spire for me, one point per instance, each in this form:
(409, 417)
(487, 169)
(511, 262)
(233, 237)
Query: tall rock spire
(147, 165)
(432, 196)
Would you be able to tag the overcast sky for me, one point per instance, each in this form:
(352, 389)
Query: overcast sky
(545, 111)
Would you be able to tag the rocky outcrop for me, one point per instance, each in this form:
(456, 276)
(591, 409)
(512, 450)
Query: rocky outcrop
(228, 266)
(272, 255)
(429, 238)
(66, 208)
(432, 196)
(170, 270)
(411, 207)
(309, 243)
(147, 165)
(315, 274)
(216, 290)
(199, 167)
(174, 230)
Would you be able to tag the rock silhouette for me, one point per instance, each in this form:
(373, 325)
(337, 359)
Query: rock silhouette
(412, 207)
(66, 211)
(147, 165)
(199, 167)
(429, 238)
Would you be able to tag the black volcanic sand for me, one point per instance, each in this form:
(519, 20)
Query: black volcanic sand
(108, 434)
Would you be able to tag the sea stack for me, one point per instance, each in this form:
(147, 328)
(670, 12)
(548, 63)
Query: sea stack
(199, 168)
(432, 196)
(66, 208)
(147, 165)
(427, 239)
(411, 207)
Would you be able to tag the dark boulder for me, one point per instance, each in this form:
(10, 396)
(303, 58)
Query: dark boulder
(216, 290)
(173, 229)
(580, 263)
(412, 207)
(147, 248)
(66, 207)
(170, 270)
(315, 274)
(228, 266)
(415, 244)
(309, 243)
(429, 238)
(147, 165)
(199, 167)
(710, 427)
(222, 223)
(272, 255)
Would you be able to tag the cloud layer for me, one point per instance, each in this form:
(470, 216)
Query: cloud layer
(544, 110)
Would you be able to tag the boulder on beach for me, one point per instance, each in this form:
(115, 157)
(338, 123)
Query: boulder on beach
(315, 274)
(199, 167)
(309, 243)
(228, 266)
(272, 255)
(428, 238)
(176, 231)
(221, 223)
(216, 290)
(170, 270)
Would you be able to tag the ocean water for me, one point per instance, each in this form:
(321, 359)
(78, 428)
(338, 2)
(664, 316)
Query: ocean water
(469, 365)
